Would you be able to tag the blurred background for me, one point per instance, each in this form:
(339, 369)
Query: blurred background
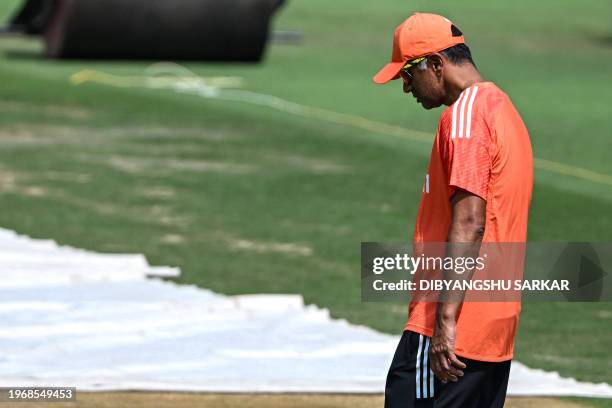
(264, 177)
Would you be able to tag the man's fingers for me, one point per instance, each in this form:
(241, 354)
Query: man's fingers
(443, 361)
(455, 361)
(455, 371)
(451, 377)
(442, 368)
(436, 368)
(446, 366)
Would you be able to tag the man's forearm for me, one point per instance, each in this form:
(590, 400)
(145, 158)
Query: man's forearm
(464, 237)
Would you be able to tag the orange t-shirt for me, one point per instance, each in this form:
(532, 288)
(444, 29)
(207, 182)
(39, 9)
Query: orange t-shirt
(482, 146)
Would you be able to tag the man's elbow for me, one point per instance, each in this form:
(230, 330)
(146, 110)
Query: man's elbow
(471, 225)
(468, 217)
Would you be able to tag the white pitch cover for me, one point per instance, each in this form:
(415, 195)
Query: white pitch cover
(100, 322)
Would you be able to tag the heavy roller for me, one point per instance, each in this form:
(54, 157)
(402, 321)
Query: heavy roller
(206, 30)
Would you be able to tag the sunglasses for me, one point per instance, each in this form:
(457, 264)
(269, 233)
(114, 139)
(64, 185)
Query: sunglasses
(406, 73)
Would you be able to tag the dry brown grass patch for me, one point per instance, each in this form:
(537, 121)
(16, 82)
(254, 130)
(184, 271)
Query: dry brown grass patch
(193, 400)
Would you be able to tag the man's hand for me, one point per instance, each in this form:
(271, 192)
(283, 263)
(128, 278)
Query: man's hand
(444, 363)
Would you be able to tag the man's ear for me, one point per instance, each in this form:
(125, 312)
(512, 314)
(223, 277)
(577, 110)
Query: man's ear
(437, 63)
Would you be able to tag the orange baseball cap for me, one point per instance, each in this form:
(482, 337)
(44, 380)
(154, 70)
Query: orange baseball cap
(419, 35)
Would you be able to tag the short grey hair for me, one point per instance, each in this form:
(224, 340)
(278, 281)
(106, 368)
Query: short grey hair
(422, 66)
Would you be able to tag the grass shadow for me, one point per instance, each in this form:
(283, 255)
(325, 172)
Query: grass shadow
(29, 55)
(605, 40)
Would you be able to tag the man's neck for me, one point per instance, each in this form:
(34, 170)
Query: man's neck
(463, 77)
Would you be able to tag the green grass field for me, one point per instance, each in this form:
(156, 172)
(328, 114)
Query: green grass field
(246, 199)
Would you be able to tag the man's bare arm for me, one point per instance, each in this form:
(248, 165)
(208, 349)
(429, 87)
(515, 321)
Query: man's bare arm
(467, 227)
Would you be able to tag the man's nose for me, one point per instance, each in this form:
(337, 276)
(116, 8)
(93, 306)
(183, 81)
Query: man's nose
(407, 87)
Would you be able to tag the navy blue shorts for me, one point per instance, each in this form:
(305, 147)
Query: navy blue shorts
(411, 383)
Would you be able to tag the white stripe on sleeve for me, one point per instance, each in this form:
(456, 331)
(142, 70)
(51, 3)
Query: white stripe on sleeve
(469, 113)
(454, 123)
(462, 110)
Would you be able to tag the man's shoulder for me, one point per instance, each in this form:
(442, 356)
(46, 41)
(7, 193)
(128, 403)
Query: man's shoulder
(491, 97)
(475, 106)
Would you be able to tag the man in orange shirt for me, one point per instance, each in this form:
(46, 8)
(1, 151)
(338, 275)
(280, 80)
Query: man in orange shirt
(477, 189)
